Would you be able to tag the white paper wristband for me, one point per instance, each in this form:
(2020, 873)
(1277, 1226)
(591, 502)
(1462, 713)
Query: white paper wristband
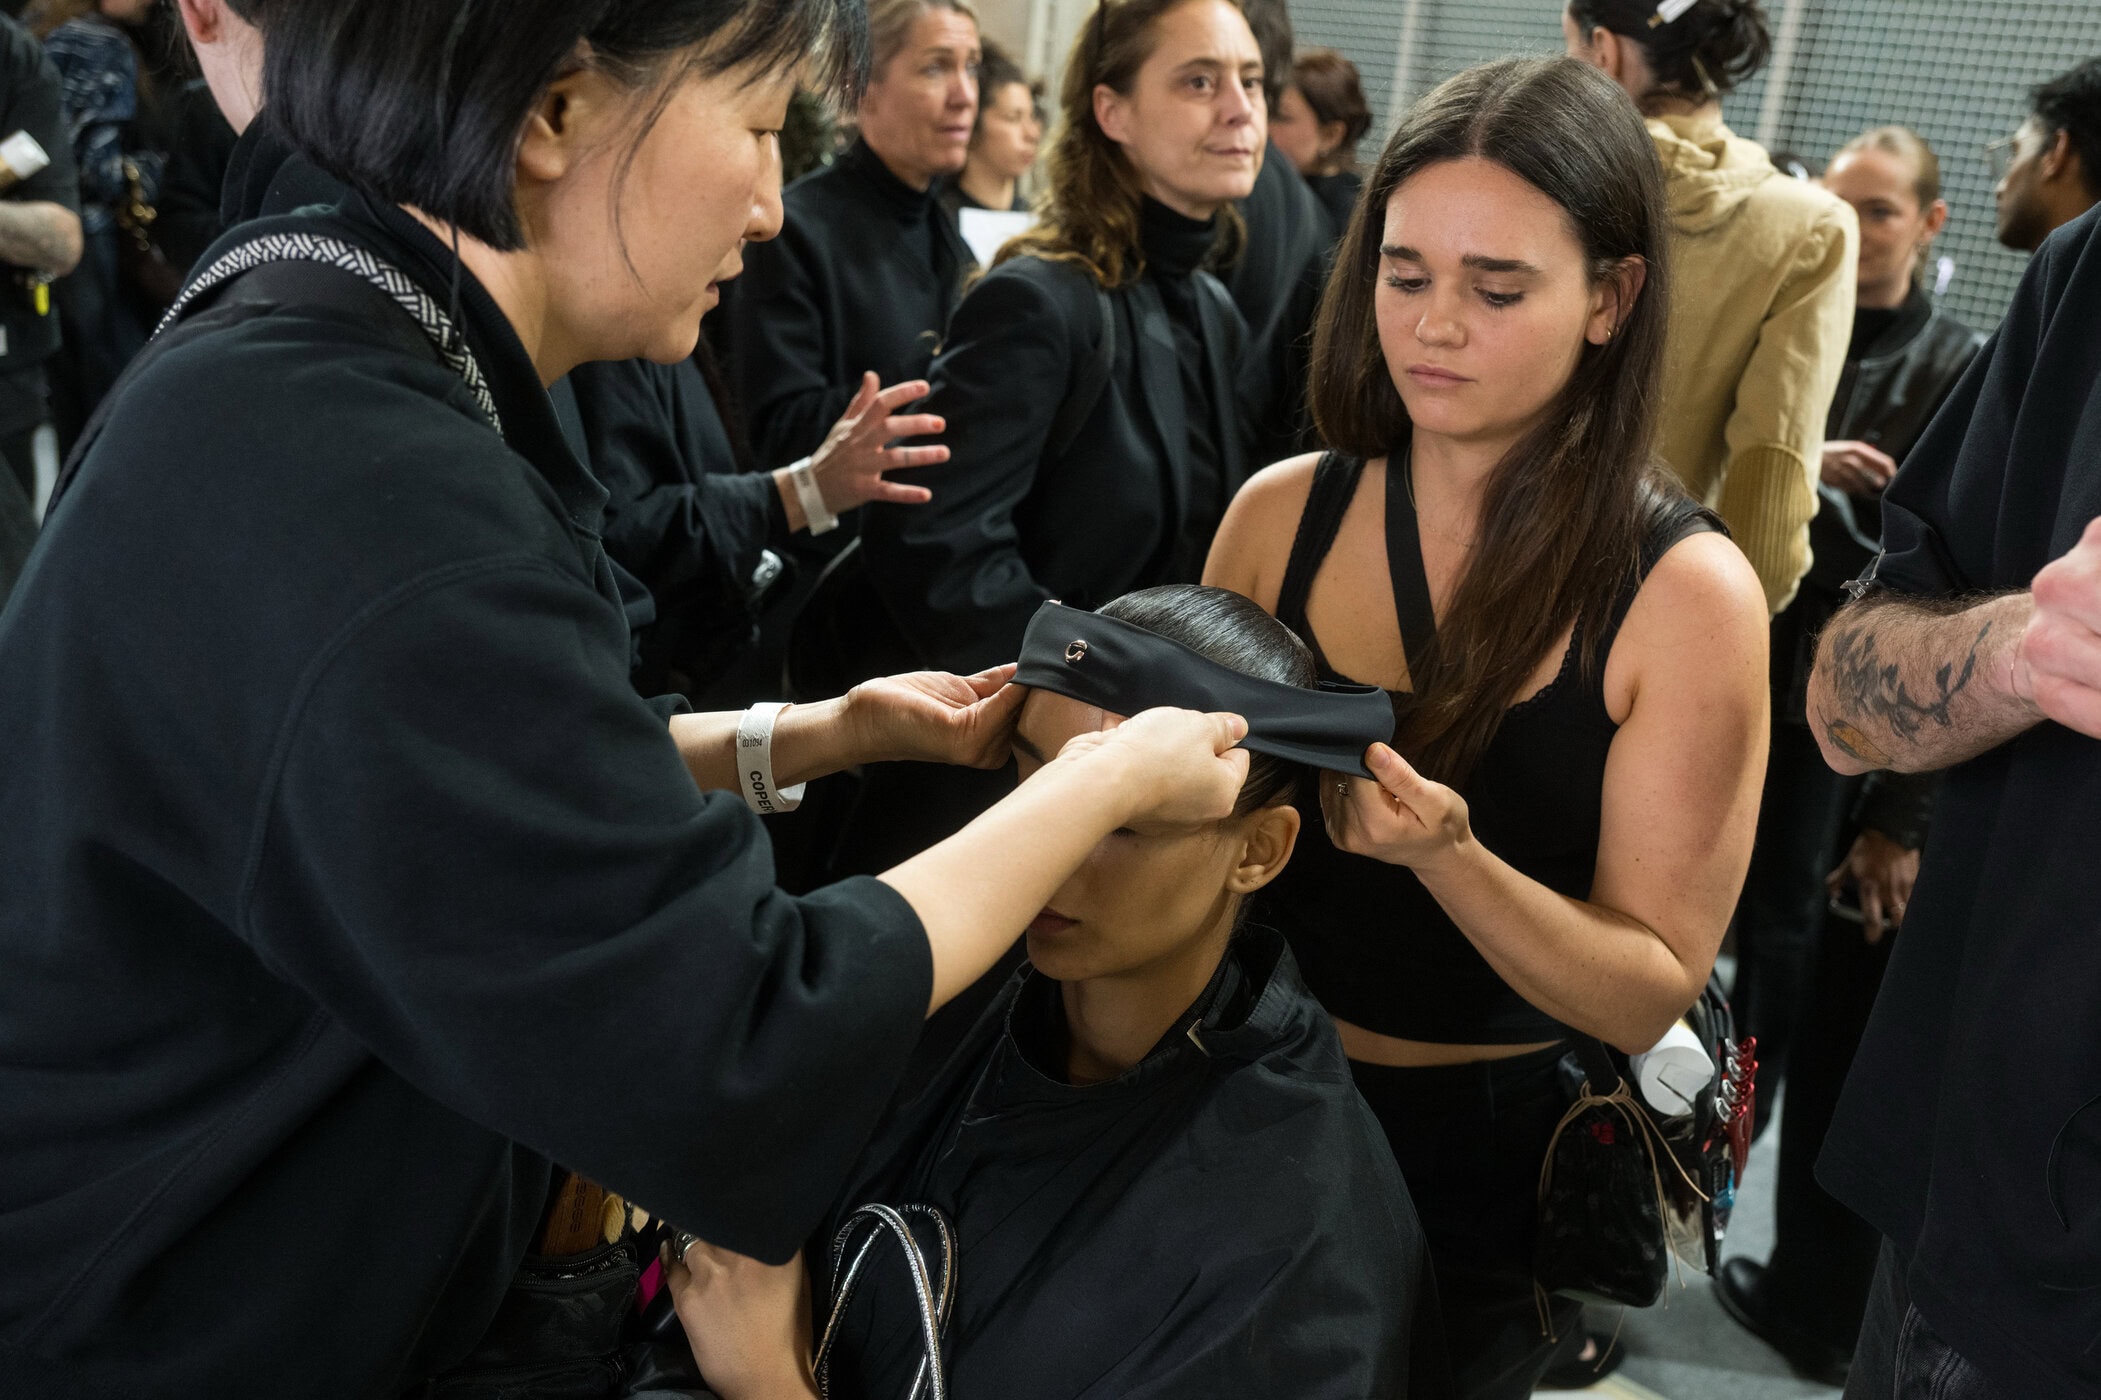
(755, 761)
(818, 515)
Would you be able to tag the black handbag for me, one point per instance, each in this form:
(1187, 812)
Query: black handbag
(1622, 1190)
(864, 1232)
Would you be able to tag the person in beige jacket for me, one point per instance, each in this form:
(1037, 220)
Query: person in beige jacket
(1763, 304)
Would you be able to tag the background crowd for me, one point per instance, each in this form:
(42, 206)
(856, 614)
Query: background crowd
(1228, 344)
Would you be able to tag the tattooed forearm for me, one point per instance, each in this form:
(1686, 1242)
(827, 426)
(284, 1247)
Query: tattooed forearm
(1871, 688)
(1917, 684)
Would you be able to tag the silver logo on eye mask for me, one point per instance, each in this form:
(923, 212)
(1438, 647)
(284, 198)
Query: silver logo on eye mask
(1075, 651)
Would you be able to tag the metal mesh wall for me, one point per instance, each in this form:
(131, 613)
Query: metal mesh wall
(1958, 71)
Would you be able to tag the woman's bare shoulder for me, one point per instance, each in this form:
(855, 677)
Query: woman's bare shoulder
(1254, 540)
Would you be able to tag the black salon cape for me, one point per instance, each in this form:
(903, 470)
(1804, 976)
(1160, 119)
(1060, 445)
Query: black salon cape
(348, 882)
(1970, 1128)
(1219, 1221)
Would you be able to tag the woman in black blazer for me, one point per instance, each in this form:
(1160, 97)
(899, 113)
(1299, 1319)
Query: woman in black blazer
(1087, 380)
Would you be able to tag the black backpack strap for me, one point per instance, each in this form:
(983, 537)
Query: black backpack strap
(1091, 380)
(295, 283)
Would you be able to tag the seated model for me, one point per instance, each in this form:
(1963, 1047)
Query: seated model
(1157, 1175)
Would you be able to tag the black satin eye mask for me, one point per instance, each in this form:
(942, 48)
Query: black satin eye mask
(1124, 669)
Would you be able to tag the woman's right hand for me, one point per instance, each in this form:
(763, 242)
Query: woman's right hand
(748, 1323)
(1178, 766)
(849, 467)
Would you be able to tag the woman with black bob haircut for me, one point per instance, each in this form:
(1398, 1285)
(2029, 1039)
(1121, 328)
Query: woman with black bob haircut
(1576, 658)
(352, 874)
(1147, 1154)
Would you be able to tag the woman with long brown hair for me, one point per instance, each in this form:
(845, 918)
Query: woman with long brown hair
(1087, 381)
(1576, 655)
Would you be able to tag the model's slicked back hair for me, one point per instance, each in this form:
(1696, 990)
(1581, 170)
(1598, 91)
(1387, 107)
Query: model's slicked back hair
(1220, 625)
(1565, 512)
(422, 102)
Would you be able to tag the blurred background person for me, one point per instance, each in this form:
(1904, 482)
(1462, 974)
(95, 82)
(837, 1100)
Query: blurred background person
(40, 240)
(1765, 276)
(1319, 118)
(2050, 169)
(868, 267)
(1110, 472)
(107, 307)
(1003, 147)
(1276, 276)
(1806, 975)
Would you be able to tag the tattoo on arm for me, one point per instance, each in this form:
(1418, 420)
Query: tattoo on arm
(1869, 688)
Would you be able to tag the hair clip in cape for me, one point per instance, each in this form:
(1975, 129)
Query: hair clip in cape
(1122, 668)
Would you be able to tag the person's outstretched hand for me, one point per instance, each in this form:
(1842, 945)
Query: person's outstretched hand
(1180, 767)
(2057, 665)
(1402, 819)
(849, 466)
(935, 717)
(748, 1323)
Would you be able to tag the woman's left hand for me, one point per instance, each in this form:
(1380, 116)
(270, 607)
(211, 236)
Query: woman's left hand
(935, 717)
(1402, 819)
(748, 1323)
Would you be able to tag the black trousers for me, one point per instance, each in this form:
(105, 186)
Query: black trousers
(1823, 1254)
(1469, 1140)
(1901, 1357)
(1782, 908)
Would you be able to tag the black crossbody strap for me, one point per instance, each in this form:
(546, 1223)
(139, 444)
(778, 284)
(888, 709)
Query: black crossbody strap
(1404, 563)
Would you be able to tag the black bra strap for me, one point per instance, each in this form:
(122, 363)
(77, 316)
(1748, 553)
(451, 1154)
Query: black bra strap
(1404, 561)
(1334, 484)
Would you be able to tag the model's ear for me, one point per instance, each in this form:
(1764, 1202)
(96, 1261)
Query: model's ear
(1272, 834)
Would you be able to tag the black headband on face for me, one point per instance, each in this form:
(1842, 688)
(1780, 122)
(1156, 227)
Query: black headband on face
(1123, 669)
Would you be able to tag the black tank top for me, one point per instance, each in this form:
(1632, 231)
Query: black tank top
(1375, 947)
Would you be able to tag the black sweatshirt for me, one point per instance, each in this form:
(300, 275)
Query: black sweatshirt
(348, 882)
(1970, 1128)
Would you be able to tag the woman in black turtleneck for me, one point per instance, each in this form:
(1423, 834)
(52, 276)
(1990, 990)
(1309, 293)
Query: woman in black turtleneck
(1087, 380)
(869, 266)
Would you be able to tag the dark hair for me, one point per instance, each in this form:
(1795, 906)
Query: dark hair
(255, 12)
(1220, 625)
(1704, 52)
(995, 71)
(1564, 514)
(421, 101)
(2071, 103)
(1089, 213)
(1270, 22)
(1331, 87)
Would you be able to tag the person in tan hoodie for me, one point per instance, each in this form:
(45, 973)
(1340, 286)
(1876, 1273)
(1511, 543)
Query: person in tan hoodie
(1763, 304)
